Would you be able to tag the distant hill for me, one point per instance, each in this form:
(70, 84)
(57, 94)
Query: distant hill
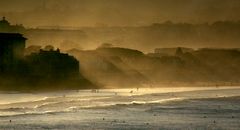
(126, 67)
(222, 34)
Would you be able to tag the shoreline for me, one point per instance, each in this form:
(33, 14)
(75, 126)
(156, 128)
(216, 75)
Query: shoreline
(111, 87)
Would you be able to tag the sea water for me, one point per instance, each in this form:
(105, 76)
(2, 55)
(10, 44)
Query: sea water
(136, 108)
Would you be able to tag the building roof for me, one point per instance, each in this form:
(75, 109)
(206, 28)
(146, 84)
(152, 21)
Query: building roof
(12, 36)
(4, 22)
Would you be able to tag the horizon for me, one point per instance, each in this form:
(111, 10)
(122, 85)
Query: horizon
(78, 13)
(63, 27)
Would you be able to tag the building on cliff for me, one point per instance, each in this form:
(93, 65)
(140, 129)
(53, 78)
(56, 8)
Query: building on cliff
(5, 26)
(47, 65)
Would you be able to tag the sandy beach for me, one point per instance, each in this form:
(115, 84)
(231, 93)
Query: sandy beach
(159, 108)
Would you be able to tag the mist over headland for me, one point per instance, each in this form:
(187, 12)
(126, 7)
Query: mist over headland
(139, 42)
(161, 53)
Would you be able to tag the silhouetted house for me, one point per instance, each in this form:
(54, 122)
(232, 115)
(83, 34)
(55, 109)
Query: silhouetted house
(179, 52)
(5, 26)
(171, 51)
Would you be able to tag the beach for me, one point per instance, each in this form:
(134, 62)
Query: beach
(144, 108)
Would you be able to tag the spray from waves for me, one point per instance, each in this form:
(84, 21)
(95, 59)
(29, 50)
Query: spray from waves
(75, 100)
(36, 110)
(132, 103)
(135, 103)
(29, 101)
(11, 112)
(53, 100)
(161, 101)
(32, 113)
(52, 105)
(47, 106)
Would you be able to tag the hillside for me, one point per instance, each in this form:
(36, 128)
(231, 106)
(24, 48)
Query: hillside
(125, 67)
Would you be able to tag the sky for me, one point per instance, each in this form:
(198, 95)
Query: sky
(77, 13)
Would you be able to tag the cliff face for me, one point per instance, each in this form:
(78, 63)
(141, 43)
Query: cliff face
(125, 67)
(108, 69)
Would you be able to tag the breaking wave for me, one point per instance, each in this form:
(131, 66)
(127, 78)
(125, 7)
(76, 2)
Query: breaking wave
(72, 103)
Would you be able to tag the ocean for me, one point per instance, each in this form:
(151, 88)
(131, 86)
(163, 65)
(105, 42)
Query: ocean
(165, 108)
